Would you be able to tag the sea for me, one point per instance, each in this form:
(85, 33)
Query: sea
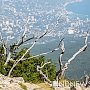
(82, 7)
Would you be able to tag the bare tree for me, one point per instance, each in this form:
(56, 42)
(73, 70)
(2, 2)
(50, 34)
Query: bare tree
(64, 67)
(21, 41)
(59, 72)
(17, 61)
(39, 69)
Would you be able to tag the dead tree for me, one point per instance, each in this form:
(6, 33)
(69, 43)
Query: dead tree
(9, 51)
(22, 57)
(15, 46)
(59, 72)
(64, 67)
(39, 69)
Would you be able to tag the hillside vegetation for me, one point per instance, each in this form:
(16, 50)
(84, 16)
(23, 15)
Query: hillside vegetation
(28, 68)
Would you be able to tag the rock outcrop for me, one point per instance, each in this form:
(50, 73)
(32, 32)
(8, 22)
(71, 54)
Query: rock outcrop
(7, 83)
(17, 83)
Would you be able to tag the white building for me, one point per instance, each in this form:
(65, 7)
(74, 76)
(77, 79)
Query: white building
(71, 31)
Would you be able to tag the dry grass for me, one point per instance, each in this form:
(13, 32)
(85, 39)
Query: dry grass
(23, 86)
(44, 86)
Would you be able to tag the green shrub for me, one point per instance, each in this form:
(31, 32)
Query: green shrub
(27, 68)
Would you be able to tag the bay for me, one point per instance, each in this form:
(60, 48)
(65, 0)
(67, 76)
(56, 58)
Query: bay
(82, 7)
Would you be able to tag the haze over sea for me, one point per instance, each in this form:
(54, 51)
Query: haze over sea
(82, 7)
